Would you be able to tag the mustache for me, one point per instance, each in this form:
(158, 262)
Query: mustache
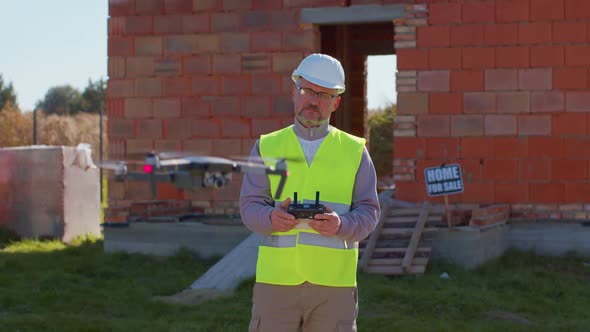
(310, 106)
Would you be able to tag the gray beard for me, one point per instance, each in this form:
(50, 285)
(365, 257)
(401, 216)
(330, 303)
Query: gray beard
(313, 123)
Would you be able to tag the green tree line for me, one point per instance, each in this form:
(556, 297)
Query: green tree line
(7, 95)
(66, 117)
(61, 100)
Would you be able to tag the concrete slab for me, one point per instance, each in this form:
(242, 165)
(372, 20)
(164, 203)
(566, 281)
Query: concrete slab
(165, 239)
(239, 264)
(550, 238)
(466, 246)
(222, 278)
(473, 246)
(469, 246)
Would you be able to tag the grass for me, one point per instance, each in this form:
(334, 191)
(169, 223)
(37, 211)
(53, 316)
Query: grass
(46, 286)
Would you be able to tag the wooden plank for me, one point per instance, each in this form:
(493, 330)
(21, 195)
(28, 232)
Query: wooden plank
(401, 250)
(396, 261)
(413, 211)
(402, 242)
(405, 231)
(368, 250)
(416, 237)
(396, 270)
(410, 219)
(393, 242)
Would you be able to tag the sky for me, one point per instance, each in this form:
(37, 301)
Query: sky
(381, 81)
(52, 43)
(48, 43)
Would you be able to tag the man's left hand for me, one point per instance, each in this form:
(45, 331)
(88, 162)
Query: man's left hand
(327, 224)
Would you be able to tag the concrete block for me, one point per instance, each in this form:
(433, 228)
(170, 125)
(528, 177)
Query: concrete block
(49, 191)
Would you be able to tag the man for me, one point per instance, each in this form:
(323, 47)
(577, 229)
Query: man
(306, 270)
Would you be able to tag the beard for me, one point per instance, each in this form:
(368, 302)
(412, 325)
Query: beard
(310, 116)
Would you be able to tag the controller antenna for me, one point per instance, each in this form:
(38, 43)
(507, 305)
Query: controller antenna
(317, 198)
(295, 197)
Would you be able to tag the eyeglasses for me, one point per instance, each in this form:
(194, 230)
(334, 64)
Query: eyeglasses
(322, 96)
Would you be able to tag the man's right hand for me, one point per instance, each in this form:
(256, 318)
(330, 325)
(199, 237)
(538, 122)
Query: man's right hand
(280, 220)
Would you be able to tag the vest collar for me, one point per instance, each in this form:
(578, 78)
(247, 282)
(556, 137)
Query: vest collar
(313, 133)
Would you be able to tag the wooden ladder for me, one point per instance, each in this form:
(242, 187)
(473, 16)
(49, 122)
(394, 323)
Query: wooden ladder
(401, 242)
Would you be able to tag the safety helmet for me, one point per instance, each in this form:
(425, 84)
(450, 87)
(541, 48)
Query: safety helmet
(322, 70)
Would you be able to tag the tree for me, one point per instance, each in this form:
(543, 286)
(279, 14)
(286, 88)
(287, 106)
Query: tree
(94, 97)
(381, 140)
(66, 100)
(62, 100)
(7, 95)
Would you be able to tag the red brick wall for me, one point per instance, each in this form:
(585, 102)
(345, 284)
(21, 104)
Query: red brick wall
(502, 88)
(200, 76)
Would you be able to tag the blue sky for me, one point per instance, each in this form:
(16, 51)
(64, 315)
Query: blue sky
(51, 43)
(381, 81)
(47, 43)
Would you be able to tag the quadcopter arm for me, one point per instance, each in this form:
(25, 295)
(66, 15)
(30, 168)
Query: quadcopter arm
(281, 185)
(280, 169)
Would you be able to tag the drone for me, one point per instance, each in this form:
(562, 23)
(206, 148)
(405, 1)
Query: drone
(193, 172)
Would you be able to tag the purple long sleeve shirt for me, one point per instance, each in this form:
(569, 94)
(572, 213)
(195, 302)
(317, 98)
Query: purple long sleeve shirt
(256, 202)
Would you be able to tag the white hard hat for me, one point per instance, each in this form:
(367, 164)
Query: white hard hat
(323, 70)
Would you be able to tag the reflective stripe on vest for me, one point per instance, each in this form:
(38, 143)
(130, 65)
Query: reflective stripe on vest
(312, 239)
(319, 240)
(290, 258)
(278, 241)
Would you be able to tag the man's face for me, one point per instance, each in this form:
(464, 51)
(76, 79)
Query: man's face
(313, 103)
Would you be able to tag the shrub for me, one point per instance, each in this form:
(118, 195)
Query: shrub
(16, 129)
(7, 236)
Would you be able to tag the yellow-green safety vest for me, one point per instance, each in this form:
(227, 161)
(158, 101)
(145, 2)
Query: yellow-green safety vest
(299, 255)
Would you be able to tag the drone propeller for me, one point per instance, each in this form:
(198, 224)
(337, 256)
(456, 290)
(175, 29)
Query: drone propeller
(112, 164)
(118, 167)
(280, 169)
(115, 165)
(267, 159)
(161, 154)
(174, 154)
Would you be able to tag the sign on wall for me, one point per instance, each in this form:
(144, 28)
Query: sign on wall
(443, 180)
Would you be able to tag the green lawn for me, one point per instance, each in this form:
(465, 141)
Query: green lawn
(46, 286)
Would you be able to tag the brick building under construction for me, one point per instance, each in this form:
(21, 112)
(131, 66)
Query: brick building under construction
(500, 87)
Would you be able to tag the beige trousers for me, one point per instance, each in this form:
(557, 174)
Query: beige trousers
(309, 307)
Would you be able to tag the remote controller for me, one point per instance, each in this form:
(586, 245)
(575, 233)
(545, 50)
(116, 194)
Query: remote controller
(306, 211)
